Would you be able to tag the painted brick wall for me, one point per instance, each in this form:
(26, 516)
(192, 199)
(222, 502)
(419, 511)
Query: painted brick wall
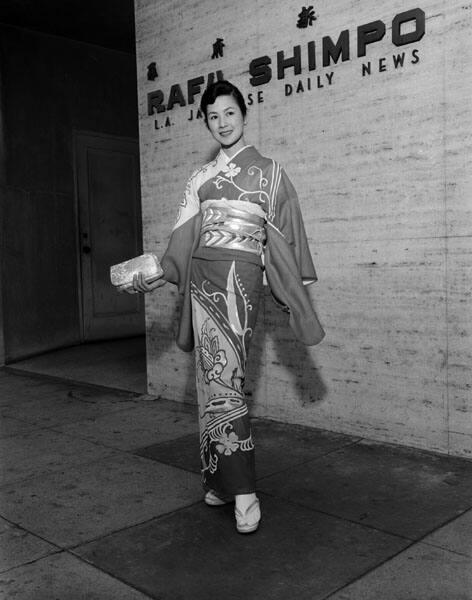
(382, 166)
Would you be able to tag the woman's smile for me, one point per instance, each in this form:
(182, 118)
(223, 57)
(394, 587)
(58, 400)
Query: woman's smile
(226, 123)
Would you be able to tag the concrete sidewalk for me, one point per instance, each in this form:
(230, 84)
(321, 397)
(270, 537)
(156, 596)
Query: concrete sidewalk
(100, 500)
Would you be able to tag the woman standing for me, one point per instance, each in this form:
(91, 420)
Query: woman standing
(239, 216)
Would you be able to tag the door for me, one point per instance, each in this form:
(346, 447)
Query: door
(109, 211)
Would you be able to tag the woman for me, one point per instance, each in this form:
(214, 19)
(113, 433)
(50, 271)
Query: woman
(239, 216)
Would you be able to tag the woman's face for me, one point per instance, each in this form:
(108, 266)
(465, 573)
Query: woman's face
(226, 123)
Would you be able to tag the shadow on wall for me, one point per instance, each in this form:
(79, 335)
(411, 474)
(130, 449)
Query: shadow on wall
(282, 360)
(296, 358)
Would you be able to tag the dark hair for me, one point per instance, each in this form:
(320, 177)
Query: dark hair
(221, 88)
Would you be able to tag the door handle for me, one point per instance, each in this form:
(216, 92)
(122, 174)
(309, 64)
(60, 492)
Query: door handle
(86, 249)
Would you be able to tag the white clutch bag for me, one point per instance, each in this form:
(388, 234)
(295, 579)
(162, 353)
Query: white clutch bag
(121, 275)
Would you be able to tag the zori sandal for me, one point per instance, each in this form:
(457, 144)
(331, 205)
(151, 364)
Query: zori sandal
(248, 521)
(212, 499)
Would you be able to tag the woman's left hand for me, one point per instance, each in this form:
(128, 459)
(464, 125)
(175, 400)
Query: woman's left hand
(141, 285)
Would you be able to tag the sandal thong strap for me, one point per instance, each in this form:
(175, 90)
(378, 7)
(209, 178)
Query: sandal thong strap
(248, 521)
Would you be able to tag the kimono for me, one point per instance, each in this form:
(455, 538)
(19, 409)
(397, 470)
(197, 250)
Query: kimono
(221, 281)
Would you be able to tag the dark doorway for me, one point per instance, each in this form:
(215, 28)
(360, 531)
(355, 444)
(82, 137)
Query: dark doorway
(58, 240)
(109, 212)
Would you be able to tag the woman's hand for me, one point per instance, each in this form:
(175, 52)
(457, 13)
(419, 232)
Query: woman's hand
(140, 284)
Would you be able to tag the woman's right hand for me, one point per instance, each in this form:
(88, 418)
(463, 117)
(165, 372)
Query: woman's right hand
(140, 284)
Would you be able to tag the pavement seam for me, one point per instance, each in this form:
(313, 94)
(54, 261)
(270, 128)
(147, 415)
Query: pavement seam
(32, 562)
(418, 542)
(168, 464)
(445, 549)
(258, 478)
(73, 422)
(56, 549)
(112, 575)
(445, 524)
(368, 571)
(189, 470)
(261, 494)
(132, 451)
(147, 401)
(378, 529)
(313, 459)
(339, 517)
(64, 380)
(81, 464)
(132, 526)
(81, 559)
(21, 433)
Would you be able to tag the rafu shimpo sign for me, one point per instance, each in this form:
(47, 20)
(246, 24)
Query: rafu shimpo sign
(263, 69)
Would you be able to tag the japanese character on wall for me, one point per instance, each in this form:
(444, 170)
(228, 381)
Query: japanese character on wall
(306, 17)
(218, 48)
(152, 72)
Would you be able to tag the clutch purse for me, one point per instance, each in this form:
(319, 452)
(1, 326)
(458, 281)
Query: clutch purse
(121, 275)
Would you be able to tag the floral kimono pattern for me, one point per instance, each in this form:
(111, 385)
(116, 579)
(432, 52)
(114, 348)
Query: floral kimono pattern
(225, 298)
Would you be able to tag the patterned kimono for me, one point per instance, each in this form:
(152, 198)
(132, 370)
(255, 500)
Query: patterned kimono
(218, 266)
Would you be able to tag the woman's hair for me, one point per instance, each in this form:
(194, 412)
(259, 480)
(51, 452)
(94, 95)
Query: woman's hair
(221, 88)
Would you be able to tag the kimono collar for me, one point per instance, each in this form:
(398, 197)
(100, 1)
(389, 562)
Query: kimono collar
(226, 158)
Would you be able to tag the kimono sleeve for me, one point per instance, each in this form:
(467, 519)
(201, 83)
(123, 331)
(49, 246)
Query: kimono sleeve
(176, 259)
(288, 222)
(288, 263)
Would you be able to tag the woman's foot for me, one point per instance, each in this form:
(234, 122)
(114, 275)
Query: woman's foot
(247, 512)
(212, 499)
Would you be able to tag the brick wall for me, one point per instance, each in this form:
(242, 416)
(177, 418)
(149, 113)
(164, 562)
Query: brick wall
(382, 165)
